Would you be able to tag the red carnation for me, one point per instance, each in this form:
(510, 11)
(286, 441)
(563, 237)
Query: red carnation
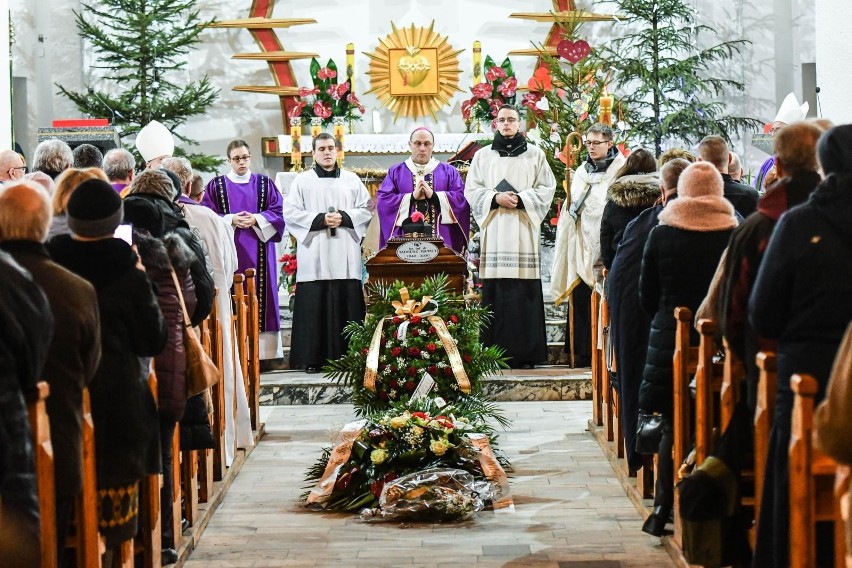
(411, 371)
(395, 351)
(467, 358)
(433, 369)
(415, 319)
(431, 347)
(414, 351)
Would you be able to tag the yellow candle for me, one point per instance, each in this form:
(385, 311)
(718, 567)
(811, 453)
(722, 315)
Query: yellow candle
(296, 143)
(338, 133)
(606, 102)
(350, 65)
(316, 126)
(477, 62)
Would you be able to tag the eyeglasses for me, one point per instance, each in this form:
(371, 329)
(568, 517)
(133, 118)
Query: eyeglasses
(18, 168)
(595, 143)
(510, 120)
(238, 159)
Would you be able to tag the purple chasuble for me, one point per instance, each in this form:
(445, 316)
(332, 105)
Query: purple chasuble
(764, 170)
(261, 196)
(444, 179)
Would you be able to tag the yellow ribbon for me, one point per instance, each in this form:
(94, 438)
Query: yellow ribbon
(403, 309)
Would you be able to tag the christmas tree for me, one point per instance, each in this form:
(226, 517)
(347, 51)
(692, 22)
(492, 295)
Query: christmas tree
(141, 49)
(667, 82)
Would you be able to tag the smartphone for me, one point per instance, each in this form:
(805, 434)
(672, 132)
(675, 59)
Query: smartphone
(125, 233)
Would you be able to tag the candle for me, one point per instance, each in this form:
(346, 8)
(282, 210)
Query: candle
(350, 66)
(338, 138)
(296, 143)
(377, 122)
(316, 126)
(477, 62)
(606, 102)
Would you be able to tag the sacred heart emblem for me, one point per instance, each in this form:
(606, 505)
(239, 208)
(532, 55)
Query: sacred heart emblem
(413, 67)
(573, 51)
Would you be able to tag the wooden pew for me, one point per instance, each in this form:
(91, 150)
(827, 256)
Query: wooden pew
(597, 382)
(685, 363)
(732, 379)
(708, 384)
(177, 485)
(812, 478)
(205, 458)
(218, 391)
(84, 538)
(253, 353)
(767, 389)
(148, 542)
(241, 309)
(43, 455)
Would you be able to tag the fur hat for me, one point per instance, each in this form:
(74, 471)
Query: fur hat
(94, 209)
(834, 150)
(155, 141)
(700, 205)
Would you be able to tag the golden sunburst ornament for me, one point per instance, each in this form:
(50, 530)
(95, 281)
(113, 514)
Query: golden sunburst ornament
(414, 71)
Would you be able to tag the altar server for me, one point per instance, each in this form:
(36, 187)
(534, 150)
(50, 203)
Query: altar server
(422, 183)
(510, 187)
(327, 211)
(251, 204)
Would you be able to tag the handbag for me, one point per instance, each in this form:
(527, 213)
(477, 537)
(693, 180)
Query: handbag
(649, 432)
(201, 372)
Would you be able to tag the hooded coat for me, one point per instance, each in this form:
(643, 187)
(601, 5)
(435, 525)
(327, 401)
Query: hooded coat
(627, 197)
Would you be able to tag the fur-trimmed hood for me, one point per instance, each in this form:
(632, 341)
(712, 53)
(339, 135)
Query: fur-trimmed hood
(640, 190)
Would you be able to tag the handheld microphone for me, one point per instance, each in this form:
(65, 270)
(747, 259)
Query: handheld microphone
(332, 231)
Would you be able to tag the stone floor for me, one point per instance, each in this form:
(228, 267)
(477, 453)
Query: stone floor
(570, 511)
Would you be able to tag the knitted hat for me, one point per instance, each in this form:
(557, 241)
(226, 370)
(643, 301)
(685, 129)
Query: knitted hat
(94, 209)
(700, 205)
(700, 179)
(834, 150)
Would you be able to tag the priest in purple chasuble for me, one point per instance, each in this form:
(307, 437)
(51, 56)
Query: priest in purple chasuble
(327, 212)
(251, 204)
(423, 183)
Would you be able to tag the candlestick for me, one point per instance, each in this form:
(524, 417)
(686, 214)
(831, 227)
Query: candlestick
(477, 62)
(606, 102)
(296, 143)
(338, 134)
(316, 126)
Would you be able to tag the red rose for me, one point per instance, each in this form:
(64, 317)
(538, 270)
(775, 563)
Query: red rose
(365, 351)
(383, 395)
(396, 319)
(421, 415)
(431, 329)
(433, 370)
(431, 347)
(411, 371)
(394, 384)
(415, 319)
(414, 351)
(482, 91)
(448, 371)
(409, 386)
(395, 351)
(454, 318)
(494, 73)
(467, 358)
(414, 332)
(393, 369)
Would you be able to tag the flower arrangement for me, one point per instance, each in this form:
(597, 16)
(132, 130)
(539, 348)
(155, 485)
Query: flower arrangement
(409, 331)
(500, 88)
(327, 98)
(287, 278)
(404, 439)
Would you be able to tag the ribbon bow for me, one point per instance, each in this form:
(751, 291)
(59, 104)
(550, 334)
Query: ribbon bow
(409, 307)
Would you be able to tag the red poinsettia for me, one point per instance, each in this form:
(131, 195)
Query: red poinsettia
(326, 73)
(509, 87)
(482, 91)
(495, 73)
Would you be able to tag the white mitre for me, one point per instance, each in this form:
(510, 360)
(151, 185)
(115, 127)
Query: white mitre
(155, 141)
(791, 111)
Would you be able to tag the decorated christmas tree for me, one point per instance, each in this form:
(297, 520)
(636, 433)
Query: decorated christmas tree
(669, 85)
(138, 75)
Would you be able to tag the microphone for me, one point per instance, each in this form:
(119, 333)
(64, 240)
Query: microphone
(332, 231)
(108, 107)
(819, 106)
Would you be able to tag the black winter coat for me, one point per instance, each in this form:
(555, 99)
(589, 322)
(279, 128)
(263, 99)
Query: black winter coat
(73, 358)
(132, 328)
(742, 197)
(626, 198)
(677, 267)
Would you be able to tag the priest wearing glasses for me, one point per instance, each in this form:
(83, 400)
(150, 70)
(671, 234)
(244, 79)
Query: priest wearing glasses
(422, 183)
(251, 204)
(327, 212)
(510, 187)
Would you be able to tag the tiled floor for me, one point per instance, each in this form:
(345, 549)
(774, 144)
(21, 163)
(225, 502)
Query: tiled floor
(570, 511)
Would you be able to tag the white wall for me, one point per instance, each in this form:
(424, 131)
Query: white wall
(832, 52)
(5, 85)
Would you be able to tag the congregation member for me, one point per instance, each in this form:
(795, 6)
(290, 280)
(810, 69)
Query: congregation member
(802, 299)
(119, 167)
(735, 168)
(154, 142)
(422, 183)
(796, 165)
(132, 330)
(789, 112)
(510, 187)
(12, 166)
(576, 262)
(88, 156)
(629, 323)
(327, 212)
(43, 180)
(251, 204)
(635, 187)
(52, 157)
(24, 342)
(678, 262)
(218, 237)
(714, 149)
(75, 349)
(66, 183)
(196, 190)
